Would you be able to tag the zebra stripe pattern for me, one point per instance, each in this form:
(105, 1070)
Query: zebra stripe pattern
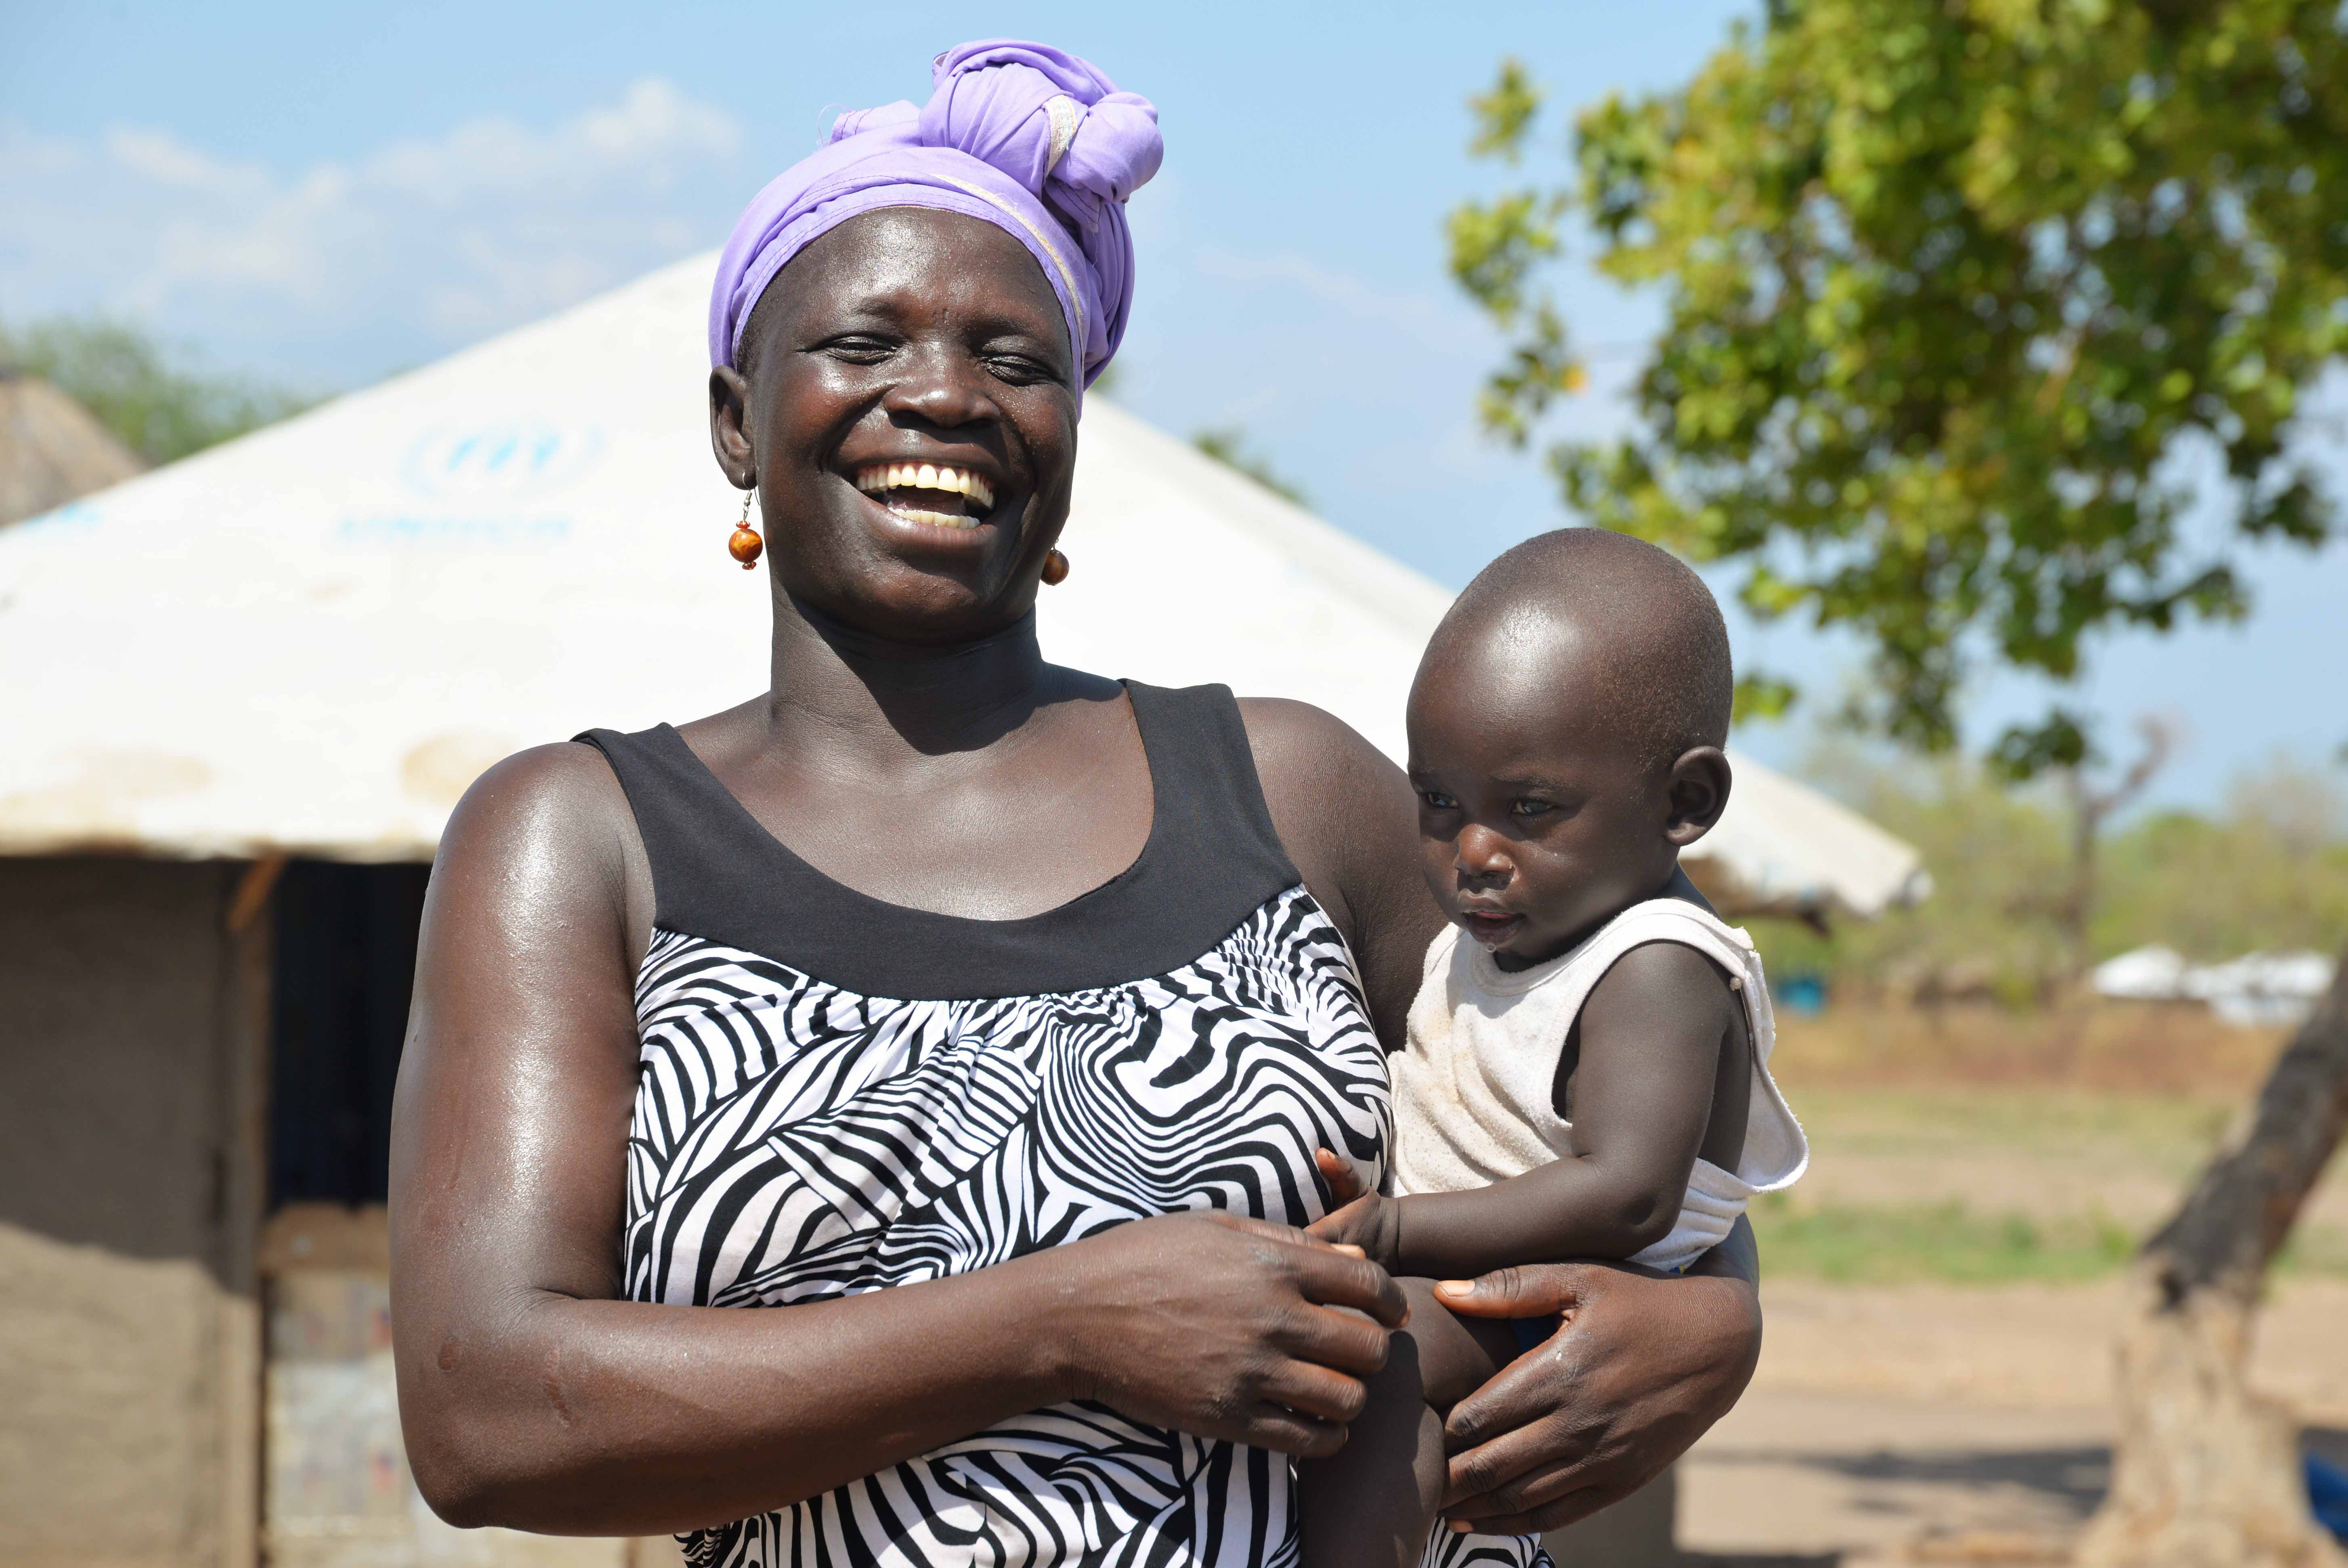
(793, 1142)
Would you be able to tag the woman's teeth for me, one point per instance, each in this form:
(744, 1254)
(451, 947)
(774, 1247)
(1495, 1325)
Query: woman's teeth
(900, 488)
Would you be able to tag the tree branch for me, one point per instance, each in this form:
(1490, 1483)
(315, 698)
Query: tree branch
(2237, 1216)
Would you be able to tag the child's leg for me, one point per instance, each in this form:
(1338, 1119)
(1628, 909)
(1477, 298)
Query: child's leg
(1371, 1503)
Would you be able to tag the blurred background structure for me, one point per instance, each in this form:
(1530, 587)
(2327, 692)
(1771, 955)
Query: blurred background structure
(52, 449)
(1986, 357)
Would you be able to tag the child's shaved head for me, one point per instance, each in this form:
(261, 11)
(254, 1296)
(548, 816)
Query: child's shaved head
(1629, 623)
(1565, 733)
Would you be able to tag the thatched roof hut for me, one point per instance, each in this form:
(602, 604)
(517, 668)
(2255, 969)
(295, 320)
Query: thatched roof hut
(52, 449)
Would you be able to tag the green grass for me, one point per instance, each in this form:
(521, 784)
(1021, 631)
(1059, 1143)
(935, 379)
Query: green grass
(1941, 1242)
(1950, 1243)
(2163, 1130)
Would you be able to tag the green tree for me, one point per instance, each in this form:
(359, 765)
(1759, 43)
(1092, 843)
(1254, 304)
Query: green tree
(160, 409)
(1968, 303)
(2268, 873)
(1969, 300)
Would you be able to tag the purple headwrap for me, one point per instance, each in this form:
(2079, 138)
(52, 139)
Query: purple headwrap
(1032, 141)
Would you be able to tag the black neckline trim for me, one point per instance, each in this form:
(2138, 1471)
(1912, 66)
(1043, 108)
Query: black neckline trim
(1210, 861)
(838, 892)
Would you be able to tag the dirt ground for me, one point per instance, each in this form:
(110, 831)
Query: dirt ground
(1884, 1420)
(1919, 1419)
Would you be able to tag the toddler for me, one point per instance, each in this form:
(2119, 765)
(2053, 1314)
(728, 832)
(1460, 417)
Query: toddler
(1587, 1072)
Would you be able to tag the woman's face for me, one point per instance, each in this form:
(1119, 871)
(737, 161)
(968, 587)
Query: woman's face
(909, 412)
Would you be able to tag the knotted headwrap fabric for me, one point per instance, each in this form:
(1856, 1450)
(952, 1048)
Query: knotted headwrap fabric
(1036, 142)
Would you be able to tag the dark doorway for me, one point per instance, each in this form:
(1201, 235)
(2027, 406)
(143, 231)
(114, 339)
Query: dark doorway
(343, 965)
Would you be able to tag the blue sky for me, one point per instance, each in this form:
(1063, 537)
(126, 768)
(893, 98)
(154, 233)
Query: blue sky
(327, 193)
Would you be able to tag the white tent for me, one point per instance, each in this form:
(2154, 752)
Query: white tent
(311, 640)
(2257, 990)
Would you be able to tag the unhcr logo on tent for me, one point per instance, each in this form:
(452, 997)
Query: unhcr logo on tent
(449, 462)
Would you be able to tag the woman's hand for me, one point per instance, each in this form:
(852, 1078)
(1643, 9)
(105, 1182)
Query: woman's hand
(1223, 1327)
(1643, 1366)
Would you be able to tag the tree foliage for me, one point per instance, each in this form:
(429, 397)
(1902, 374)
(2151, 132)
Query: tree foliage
(159, 409)
(1968, 302)
(2268, 873)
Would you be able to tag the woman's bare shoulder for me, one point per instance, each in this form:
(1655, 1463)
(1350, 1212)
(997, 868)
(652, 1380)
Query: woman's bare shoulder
(1347, 818)
(550, 823)
(566, 788)
(1296, 743)
(1322, 779)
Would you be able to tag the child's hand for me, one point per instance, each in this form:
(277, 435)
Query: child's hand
(1362, 1221)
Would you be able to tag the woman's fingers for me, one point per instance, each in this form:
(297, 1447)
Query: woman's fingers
(1645, 1365)
(1287, 1431)
(1532, 1291)
(1343, 1340)
(1271, 1231)
(1521, 1440)
(1570, 1507)
(1317, 1391)
(1235, 1329)
(1523, 1398)
(1520, 1478)
(1344, 1278)
(1493, 1476)
(1334, 1273)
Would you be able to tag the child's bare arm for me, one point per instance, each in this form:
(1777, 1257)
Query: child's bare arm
(1653, 1032)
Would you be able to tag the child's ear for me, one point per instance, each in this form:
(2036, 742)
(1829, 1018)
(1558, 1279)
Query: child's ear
(1698, 793)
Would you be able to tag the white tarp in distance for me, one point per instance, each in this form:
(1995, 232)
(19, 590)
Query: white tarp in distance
(309, 640)
(2256, 990)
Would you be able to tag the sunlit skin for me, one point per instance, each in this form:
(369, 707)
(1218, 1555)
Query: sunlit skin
(914, 745)
(1538, 819)
(907, 335)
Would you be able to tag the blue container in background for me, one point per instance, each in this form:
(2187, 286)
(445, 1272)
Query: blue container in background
(1804, 994)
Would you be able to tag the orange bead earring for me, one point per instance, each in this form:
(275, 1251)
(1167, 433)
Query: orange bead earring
(1056, 569)
(745, 544)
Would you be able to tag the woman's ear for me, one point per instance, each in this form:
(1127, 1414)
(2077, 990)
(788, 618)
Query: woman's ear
(1698, 793)
(729, 425)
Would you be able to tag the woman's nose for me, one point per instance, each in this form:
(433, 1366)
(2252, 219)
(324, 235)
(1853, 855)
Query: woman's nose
(943, 388)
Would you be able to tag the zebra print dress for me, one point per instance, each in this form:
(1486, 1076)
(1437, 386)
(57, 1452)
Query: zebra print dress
(839, 1095)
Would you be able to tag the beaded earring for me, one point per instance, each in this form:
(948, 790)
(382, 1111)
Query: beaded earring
(1056, 569)
(745, 544)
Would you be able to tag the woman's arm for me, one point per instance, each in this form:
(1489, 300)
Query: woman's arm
(1347, 818)
(531, 1396)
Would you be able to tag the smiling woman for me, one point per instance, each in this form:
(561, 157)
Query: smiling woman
(895, 460)
(982, 1016)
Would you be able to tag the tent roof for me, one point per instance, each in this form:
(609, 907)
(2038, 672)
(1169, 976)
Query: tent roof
(52, 449)
(309, 640)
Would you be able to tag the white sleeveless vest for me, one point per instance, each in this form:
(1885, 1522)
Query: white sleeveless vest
(1473, 1091)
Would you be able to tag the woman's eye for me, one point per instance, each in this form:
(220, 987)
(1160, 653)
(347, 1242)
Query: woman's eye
(860, 350)
(1018, 370)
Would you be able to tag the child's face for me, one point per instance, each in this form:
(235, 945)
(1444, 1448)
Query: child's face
(1537, 819)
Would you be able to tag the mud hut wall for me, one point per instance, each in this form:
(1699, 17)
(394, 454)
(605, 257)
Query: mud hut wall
(130, 1156)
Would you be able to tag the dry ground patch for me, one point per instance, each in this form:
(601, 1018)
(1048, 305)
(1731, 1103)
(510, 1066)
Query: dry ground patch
(1941, 1289)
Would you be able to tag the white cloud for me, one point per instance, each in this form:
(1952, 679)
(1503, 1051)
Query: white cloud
(390, 257)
